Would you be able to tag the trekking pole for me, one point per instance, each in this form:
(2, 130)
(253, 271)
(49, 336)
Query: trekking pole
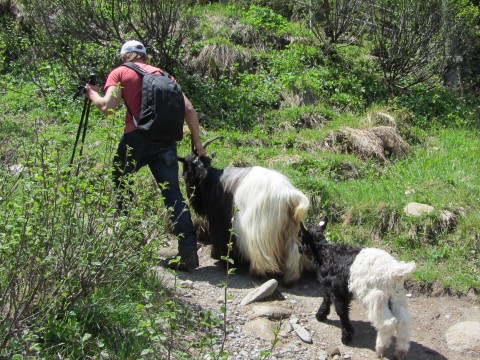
(85, 113)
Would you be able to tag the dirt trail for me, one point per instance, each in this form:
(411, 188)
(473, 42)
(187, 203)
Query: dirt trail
(431, 317)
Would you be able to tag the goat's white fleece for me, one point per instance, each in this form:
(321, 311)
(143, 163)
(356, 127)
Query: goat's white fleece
(267, 220)
(376, 279)
(376, 269)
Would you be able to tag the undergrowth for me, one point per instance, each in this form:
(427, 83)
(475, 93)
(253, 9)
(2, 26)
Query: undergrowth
(78, 280)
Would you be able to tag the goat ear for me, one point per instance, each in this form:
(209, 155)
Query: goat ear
(323, 223)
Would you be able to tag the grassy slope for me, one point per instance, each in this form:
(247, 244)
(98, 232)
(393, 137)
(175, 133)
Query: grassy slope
(441, 170)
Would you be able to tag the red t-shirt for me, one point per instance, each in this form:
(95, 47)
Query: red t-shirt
(131, 84)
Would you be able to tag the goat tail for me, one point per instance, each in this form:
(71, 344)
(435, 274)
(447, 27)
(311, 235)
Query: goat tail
(299, 203)
(404, 269)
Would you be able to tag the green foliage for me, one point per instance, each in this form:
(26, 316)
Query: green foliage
(269, 26)
(74, 278)
(438, 106)
(16, 100)
(233, 103)
(264, 19)
(293, 59)
(283, 7)
(61, 243)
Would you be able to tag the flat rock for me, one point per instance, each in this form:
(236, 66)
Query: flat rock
(464, 337)
(417, 209)
(272, 312)
(16, 169)
(262, 292)
(261, 328)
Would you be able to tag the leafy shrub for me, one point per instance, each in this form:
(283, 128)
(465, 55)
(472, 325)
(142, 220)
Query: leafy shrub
(437, 106)
(283, 7)
(269, 26)
(235, 103)
(264, 19)
(286, 64)
(60, 240)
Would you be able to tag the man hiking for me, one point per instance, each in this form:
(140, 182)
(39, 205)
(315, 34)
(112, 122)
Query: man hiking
(135, 150)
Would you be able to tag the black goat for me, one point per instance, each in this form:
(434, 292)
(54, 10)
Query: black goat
(371, 275)
(259, 209)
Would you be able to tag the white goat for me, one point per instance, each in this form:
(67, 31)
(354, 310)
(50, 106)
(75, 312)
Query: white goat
(370, 275)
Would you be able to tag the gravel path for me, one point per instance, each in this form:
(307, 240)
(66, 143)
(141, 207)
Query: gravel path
(251, 325)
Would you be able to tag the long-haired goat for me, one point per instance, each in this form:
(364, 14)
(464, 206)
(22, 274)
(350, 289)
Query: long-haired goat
(266, 210)
(371, 275)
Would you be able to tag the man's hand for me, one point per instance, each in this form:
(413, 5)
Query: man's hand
(200, 150)
(90, 89)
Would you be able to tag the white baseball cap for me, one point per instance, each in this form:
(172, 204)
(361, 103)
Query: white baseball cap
(133, 46)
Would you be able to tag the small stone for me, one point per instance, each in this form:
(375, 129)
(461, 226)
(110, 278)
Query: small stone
(417, 209)
(287, 326)
(302, 333)
(263, 291)
(322, 355)
(293, 320)
(16, 169)
(333, 351)
(187, 284)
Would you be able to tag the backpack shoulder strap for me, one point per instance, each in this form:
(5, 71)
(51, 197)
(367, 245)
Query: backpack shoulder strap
(135, 67)
(141, 72)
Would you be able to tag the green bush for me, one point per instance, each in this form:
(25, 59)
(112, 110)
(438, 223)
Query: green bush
(61, 241)
(269, 26)
(438, 106)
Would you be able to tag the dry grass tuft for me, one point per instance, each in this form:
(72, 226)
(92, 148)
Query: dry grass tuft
(380, 142)
(380, 118)
(219, 59)
(312, 121)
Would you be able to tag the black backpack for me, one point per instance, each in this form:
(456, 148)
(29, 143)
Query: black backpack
(163, 107)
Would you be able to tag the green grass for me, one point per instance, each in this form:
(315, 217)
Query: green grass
(277, 113)
(440, 172)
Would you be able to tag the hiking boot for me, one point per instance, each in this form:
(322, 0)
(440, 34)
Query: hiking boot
(188, 261)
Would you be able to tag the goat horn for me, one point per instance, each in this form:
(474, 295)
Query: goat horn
(209, 141)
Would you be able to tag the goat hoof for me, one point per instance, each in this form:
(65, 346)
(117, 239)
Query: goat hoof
(399, 355)
(381, 352)
(346, 338)
(321, 317)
